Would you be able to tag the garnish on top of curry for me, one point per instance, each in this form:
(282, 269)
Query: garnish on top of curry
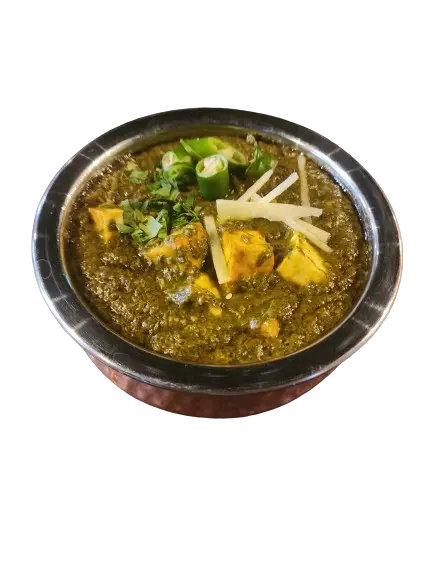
(217, 250)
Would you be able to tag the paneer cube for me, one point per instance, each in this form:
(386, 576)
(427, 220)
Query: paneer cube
(215, 311)
(267, 329)
(103, 218)
(159, 250)
(204, 283)
(188, 245)
(201, 288)
(247, 254)
(303, 265)
(270, 328)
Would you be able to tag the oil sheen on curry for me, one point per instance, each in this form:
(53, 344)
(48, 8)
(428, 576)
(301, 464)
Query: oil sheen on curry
(217, 250)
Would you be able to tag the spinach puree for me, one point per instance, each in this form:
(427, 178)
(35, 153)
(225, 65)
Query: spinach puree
(171, 303)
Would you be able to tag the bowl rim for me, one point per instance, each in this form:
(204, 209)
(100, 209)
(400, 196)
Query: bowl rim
(354, 331)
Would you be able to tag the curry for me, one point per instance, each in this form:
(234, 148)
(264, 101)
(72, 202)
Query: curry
(217, 250)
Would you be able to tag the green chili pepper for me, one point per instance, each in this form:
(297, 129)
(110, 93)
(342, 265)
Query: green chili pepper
(178, 168)
(182, 155)
(200, 148)
(197, 148)
(237, 160)
(169, 159)
(260, 163)
(182, 173)
(175, 157)
(213, 177)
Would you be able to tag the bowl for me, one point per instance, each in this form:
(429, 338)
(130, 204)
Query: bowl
(208, 390)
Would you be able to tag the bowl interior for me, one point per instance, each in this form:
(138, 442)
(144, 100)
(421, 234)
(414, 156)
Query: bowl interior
(374, 211)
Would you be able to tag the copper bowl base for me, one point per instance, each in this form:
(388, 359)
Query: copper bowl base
(209, 406)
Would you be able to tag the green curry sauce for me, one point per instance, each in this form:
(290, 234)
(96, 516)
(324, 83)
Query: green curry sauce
(151, 303)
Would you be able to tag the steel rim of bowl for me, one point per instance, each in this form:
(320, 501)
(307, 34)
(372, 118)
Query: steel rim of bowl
(376, 214)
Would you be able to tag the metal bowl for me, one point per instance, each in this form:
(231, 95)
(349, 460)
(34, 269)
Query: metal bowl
(205, 390)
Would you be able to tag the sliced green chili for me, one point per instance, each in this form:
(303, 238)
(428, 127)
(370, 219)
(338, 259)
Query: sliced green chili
(178, 168)
(237, 160)
(182, 173)
(200, 148)
(196, 148)
(182, 155)
(213, 177)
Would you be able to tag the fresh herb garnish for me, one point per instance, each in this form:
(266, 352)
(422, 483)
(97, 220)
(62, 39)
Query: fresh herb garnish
(184, 212)
(125, 228)
(163, 186)
(257, 154)
(156, 216)
(260, 163)
(142, 227)
(163, 219)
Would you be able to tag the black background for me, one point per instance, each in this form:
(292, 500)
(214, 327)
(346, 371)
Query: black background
(370, 387)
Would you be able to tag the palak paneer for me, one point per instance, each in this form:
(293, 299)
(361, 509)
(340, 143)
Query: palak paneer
(217, 250)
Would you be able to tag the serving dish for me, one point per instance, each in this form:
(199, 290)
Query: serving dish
(378, 219)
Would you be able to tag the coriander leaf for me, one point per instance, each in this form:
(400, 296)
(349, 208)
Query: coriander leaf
(158, 204)
(152, 227)
(174, 195)
(138, 235)
(124, 228)
(128, 213)
(180, 221)
(258, 153)
(255, 161)
(162, 215)
(260, 163)
(138, 176)
(126, 205)
(190, 200)
(128, 219)
(153, 186)
(162, 181)
(139, 216)
(164, 219)
(171, 212)
(171, 181)
(162, 192)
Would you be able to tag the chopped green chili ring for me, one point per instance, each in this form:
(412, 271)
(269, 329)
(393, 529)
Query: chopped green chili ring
(200, 148)
(213, 177)
(169, 159)
(177, 168)
(182, 155)
(182, 173)
(237, 160)
(190, 147)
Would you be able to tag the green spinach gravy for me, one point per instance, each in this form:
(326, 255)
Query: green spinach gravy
(147, 271)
